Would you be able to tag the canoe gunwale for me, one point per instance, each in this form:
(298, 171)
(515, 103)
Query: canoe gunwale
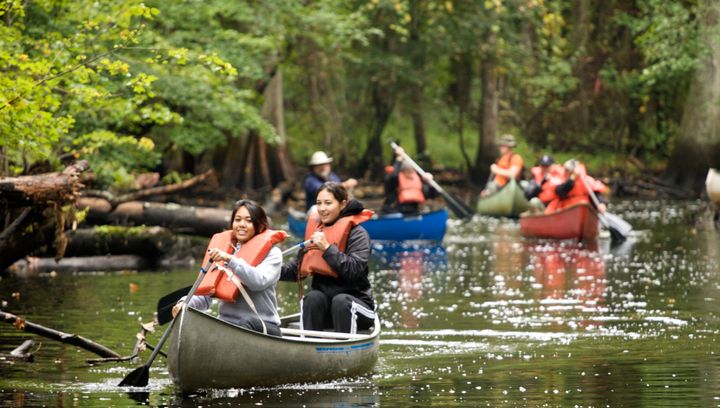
(308, 339)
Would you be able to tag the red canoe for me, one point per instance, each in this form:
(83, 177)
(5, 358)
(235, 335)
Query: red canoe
(578, 222)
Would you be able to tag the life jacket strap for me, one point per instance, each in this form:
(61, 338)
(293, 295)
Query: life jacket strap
(234, 279)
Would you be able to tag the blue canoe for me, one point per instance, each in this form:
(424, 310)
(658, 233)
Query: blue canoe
(393, 227)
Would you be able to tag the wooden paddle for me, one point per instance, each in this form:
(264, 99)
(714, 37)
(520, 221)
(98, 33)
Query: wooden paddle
(460, 209)
(619, 228)
(139, 377)
(167, 302)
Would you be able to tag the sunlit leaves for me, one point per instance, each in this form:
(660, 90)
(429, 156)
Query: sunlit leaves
(112, 157)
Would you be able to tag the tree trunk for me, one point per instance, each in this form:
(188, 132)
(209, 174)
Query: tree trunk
(251, 163)
(274, 111)
(383, 102)
(488, 126)
(248, 171)
(418, 124)
(579, 38)
(232, 170)
(416, 47)
(265, 181)
(462, 71)
(698, 146)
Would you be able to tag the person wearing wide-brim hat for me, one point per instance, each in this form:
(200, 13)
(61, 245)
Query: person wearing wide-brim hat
(507, 167)
(320, 172)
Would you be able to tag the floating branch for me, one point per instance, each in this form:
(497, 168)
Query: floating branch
(72, 339)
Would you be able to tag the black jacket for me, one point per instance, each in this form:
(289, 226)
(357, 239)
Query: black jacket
(351, 266)
(563, 189)
(390, 205)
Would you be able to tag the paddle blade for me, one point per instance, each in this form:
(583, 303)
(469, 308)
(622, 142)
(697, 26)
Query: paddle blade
(620, 229)
(166, 303)
(137, 378)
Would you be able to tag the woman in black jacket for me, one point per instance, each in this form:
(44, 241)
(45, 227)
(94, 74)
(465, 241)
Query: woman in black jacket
(341, 296)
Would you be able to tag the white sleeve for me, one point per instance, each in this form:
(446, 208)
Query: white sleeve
(263, 275)
(200, 302)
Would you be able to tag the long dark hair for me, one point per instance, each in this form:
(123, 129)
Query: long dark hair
(336, 189)
(257, 214)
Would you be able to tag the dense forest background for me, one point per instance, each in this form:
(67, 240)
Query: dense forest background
(251, 88)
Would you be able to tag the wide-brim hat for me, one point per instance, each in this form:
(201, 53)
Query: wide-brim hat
(507, 140)
(319, 158)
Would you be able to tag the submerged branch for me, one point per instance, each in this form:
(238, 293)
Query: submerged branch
(68, 338)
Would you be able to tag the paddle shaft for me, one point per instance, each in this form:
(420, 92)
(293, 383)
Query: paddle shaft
(618, 227)
(433, 183)
(595, 201)
(165, 335)
(296, 247)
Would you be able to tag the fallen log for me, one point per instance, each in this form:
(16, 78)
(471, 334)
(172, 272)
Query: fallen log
(149, 242)
(20, 352)
(148, 192)
(32, 266)
(33, 209)
(178, 218)
(54, 187)
(67, 338)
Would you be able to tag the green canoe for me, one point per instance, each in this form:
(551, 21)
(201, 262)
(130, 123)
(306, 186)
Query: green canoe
(509, 201)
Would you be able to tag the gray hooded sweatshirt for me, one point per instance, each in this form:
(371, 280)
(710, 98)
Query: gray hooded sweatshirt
(259, 282)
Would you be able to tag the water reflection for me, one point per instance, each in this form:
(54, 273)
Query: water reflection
(354, 393)
(411, 260)
(563, 271)
(487, 318)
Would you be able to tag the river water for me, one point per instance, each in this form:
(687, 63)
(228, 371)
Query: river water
(485, 319)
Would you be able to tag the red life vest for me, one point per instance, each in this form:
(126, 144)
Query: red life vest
(556, 177)
(338, 233)
(579, 193)
(410, 188)
(215, 282)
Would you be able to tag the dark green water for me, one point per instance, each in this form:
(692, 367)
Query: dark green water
(486, 319)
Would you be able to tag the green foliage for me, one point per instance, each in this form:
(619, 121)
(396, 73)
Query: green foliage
(174, 177)
(128, 83)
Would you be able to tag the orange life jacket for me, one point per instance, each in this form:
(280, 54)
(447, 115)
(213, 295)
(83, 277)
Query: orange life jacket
(216, 282)
(410, 188)
(505, 162)
(579, 193)
(338, 233)
(557, 176)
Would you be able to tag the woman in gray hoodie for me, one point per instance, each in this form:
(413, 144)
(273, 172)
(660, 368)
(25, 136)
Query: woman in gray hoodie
(259, 271)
